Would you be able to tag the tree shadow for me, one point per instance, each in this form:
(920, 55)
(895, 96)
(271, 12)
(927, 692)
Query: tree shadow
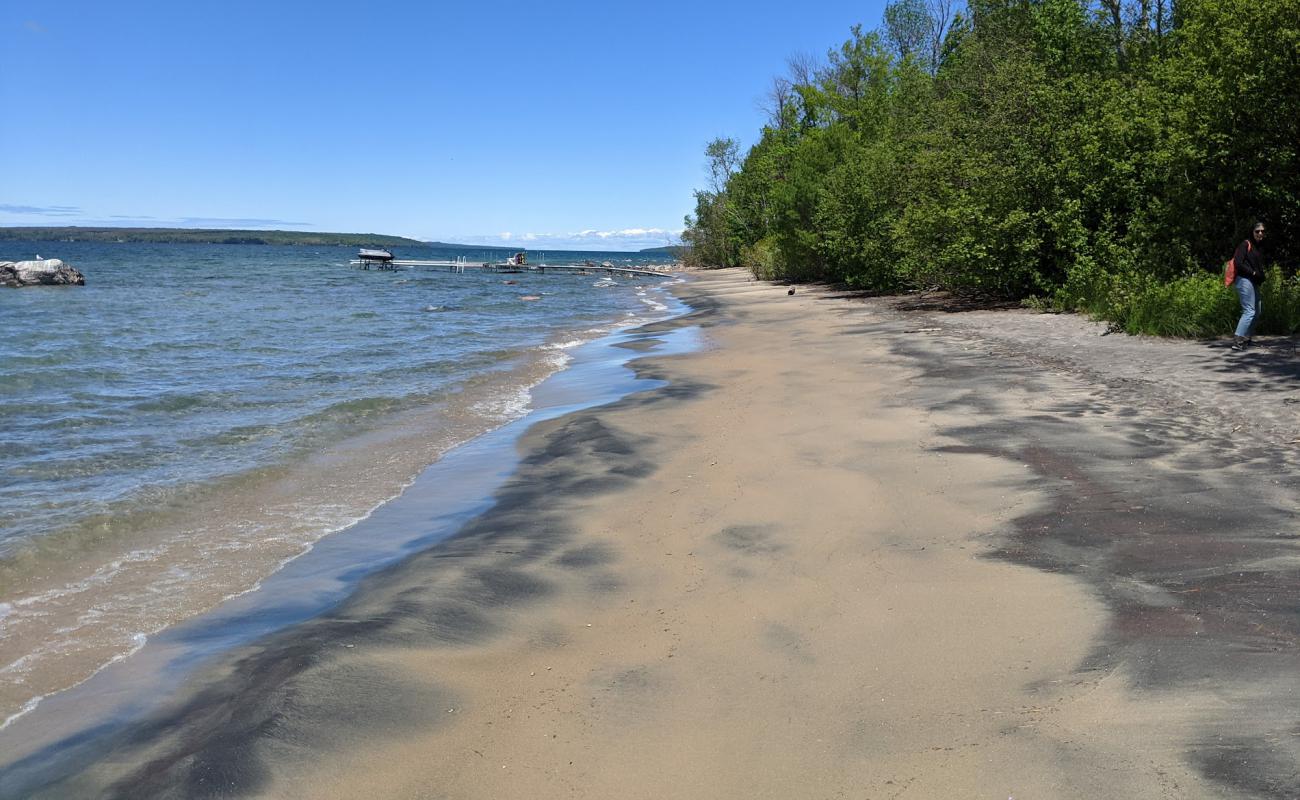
(1273, 363)
(928, 300)
(949, 303)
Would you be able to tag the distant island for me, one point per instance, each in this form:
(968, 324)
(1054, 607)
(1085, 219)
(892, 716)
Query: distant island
(454, 246)
(671, 250)
(201, 236)
(73, 233)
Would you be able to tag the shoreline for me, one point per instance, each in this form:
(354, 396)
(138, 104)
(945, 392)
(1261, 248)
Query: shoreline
(485, 410)
(70, 726)
(841, 549)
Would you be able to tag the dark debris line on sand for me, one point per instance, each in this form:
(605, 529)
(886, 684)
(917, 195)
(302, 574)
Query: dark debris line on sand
(1174, 505)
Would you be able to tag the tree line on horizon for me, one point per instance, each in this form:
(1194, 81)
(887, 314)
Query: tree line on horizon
(1103, 156)
(77, 233)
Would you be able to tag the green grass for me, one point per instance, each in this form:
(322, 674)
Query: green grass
(1195, 306)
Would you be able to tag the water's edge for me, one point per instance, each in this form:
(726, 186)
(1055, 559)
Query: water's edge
(73, 727)
(197, 416)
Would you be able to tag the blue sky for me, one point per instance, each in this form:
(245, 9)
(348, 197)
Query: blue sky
(547, 124)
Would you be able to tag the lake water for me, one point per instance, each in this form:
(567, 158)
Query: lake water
(198, 415)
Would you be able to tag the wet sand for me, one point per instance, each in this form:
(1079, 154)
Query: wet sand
(847, 550)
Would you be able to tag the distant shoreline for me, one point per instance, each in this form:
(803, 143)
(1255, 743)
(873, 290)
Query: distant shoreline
(109, 235)
(199, 236)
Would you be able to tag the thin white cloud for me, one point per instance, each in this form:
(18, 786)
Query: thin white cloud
(251, 222)
(14, 214)
(628, 233)
(42, 211)
(589, 239)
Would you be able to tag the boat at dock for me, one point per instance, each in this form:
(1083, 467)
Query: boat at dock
(375, 255)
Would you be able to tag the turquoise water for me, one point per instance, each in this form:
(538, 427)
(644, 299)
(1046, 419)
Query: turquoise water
(196, 415)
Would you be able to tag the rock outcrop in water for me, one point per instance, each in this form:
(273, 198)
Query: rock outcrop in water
(46, 272)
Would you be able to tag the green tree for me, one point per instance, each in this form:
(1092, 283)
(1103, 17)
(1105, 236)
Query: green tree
(710, 233)
(1107, 154)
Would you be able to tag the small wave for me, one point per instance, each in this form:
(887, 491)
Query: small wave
(174, 402)
(18, 360)
(509, 407)
(61, 423)
(565, 345)
(558, 359)
(242, 434)
(138, 641)
(87, 618)
(21, 665)
(99, 577)
(26, 709)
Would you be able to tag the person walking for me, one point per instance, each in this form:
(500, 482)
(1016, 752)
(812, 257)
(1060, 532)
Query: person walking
(1251, 262)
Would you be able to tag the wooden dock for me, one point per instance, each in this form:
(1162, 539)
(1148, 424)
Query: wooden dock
(487, 266)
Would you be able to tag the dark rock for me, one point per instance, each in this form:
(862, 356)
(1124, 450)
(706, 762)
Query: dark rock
(47, 272)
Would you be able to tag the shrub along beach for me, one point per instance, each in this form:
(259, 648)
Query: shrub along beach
(1103, 157)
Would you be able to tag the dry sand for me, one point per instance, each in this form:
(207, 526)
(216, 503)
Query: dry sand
(846, 551)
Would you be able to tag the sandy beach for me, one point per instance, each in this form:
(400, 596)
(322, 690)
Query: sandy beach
(854, 547)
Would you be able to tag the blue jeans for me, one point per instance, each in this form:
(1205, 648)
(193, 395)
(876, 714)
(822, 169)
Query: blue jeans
(1250, 306)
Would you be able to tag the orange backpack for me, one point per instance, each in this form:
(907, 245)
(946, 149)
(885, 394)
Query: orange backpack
(1230, 269)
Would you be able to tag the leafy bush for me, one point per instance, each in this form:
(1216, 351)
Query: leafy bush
(1193, 306)
(1281, 301)
(761, 259)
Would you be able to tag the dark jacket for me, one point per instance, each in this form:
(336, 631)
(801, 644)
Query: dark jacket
(1251, 261)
